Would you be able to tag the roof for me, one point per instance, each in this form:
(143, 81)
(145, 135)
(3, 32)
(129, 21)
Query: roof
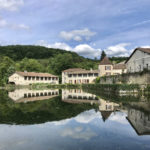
(145, 50)
(79, 70)
(119, 66)
(35, 74)
(105, 61)
(105, 115)
(73, 69)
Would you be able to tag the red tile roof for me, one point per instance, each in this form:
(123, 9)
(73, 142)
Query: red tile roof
(35, 74)
(105, 61)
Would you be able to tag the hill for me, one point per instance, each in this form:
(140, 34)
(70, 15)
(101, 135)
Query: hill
(41, 59)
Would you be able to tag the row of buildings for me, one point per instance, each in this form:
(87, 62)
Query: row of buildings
(138, 61)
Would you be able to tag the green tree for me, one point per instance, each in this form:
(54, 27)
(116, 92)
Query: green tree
(103, 54)
(60, 63)
(30, 65)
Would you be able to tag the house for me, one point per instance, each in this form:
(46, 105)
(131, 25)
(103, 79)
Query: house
(138, 60)
(27, 78)
(106, 68)
(79, 76)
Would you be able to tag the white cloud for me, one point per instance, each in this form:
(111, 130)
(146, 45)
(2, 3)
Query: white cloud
(119, 117)
(11, 5)
(118, 50)
(78, 133)
(87, 116)
(5, 24)
(87, 51)
(90, 52)
(58, 45)
(77, 35)
(19, 26)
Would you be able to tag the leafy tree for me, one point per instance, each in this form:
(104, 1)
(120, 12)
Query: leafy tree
(103, 54)
(30, 65)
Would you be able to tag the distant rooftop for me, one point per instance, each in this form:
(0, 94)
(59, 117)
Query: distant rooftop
(35, 74)
(80, 70)
(105, 61)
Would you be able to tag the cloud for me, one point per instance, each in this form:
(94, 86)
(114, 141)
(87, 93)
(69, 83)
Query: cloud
(11, 5)
(5, 24)
(82, 49)
(56, 45)
(87, 51)
(87, 116)
(78, 133)
(118, 50)
(119, 117)
(77, 35)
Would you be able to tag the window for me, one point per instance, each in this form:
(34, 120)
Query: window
(69, 75)
(84, 75)
(41, 78)
(25, 78)
(146, 66)
(49, 78)
(79, 75)
(29, 78)
(107, 67)
(74, 75)
(95, 74)
(45, 78)
(33, 78)
(90, 74)
(37, 78)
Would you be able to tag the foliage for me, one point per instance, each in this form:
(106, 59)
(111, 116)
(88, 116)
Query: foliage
(103, 54)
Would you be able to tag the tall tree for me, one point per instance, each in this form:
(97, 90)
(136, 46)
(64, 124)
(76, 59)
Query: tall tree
(103, 54)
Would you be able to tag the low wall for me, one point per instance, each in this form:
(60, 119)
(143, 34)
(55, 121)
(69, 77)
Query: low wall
(134, 78)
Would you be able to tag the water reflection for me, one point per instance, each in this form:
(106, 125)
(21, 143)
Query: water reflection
(72, 119)
(27, 95)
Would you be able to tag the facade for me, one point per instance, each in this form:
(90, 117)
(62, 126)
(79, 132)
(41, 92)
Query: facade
(27, 95)
(79, 76)
(78, 96)
(27, 78)
(106, 68)
(139, 60)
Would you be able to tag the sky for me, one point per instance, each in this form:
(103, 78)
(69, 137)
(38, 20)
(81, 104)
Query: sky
(83, 26)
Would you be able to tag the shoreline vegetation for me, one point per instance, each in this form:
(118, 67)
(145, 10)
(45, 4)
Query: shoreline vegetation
(110, 88)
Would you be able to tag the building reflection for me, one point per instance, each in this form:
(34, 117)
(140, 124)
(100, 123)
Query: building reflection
(78, 96)
(27, 95)
(106, 108)
(139, 120)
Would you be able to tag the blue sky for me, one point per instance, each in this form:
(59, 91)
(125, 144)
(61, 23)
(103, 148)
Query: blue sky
(84, 26)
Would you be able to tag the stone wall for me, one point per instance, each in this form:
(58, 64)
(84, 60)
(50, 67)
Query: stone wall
(134, 78)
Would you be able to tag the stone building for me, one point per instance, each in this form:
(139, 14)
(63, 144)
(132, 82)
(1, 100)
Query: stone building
(138, 60)
(106, 68)
(79, 76)
(27, 78)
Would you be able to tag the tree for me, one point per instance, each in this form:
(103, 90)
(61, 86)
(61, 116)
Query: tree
(60, 63)
(30, 65)
(103, 54)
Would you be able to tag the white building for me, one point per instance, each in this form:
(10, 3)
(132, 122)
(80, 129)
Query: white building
(79, 76)
(27, 78)
(139, 60)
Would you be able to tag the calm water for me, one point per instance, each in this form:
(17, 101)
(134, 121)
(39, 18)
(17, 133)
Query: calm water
(73, 120)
